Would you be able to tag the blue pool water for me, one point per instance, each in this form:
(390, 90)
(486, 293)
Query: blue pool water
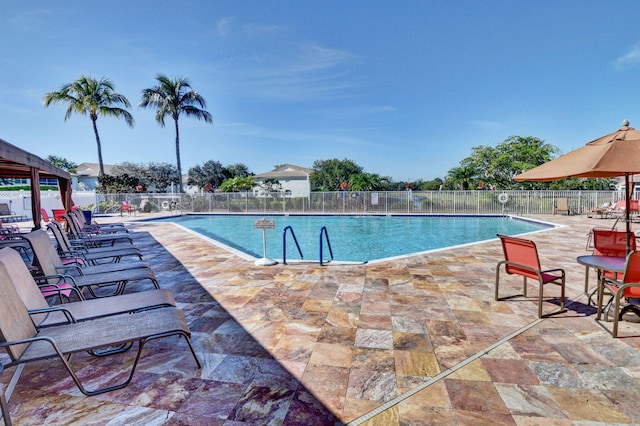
(354, 238)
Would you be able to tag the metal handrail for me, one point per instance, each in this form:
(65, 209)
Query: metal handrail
(284, 244)
(326, 234)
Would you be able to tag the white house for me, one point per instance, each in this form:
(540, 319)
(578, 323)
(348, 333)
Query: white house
(85, 177)
(293, 179)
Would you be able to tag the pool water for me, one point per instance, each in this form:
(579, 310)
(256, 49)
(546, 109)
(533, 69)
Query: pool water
(353, 238)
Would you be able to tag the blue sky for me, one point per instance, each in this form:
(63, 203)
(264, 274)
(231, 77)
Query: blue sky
(404, 89)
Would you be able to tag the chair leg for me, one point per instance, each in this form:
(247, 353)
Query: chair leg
(540, 299)
(4, 407)
(524, 291)
(616, 312)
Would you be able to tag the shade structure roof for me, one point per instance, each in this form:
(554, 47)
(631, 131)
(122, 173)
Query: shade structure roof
(18, 163)
(615, 154)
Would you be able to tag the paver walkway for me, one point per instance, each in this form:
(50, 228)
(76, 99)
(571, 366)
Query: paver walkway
(413, 341)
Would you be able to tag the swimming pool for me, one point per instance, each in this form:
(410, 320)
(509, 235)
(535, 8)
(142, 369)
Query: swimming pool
(353, 238)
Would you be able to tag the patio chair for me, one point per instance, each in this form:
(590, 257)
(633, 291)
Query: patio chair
(58, 215)
(7, 214)
(4, 407)
(91, 283)
(33, 299)
(606, 242)
(95, 227)
(521, 258)
(25, 343)
(562, 206)
(90, 255)
(94, 239)
(125, 207)
(628, 288)
(42, 246)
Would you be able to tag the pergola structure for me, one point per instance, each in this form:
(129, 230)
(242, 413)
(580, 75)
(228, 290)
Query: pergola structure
(18, 163)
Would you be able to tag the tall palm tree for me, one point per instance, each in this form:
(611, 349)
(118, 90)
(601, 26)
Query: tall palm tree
(88, 96)
(175, 97)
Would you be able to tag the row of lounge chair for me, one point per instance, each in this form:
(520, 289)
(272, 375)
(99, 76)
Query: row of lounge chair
(84, 269)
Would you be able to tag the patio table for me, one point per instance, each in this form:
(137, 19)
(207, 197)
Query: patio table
(601, 264)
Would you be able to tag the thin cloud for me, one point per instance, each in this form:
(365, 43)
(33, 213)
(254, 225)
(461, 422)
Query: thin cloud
(224, 26)
(249, 130)
(630, 59)
(305, 71)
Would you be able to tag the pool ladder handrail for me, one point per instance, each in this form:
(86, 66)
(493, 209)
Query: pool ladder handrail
(284, 244)
(323, 231)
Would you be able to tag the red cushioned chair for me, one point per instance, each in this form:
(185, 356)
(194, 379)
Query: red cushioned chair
(521, 258)
(629, 288)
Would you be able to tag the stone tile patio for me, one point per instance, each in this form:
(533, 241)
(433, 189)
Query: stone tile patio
(412, 341)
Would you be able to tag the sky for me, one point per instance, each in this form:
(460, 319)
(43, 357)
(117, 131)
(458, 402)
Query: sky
(405, 89)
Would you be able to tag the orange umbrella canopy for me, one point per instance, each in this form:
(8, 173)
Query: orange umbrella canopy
(616, 154)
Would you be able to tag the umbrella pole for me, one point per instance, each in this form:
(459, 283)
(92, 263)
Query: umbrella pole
(627, 194)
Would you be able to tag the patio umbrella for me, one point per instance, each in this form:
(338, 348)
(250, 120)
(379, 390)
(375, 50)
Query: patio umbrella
(613, 155)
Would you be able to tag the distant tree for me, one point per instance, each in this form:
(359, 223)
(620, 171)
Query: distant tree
(211, 172)
(118, 184)
(173, 97)
(162, 175)
(236, 184)
(238, 169)
(497, 167)
(155, 177)
(366, 182)
(328, 175)
(137, 170)
(61, 163)
(461, 177)
(431, 185)
(88, 96)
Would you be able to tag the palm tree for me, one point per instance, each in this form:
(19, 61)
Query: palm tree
(174, 97)
(88, 96)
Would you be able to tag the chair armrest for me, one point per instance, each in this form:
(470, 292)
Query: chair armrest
(67, 313)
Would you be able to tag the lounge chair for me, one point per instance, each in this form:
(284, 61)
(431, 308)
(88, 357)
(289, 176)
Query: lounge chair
(33, 299)
(562, 206)
(521, 258)
(92, 238)
(628, 288)
(4, 407)
(92, 282)
(90, 255)
(42, 247)
(25, 343)
(7, 215)
(602, 212)
(96, 227)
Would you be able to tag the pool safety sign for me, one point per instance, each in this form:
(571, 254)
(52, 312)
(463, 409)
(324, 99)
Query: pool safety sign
(264, 224)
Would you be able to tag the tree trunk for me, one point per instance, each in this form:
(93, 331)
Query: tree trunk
(95, 130)
(178, 156)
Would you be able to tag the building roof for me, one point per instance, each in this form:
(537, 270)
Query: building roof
(90, 170)
(286, 171)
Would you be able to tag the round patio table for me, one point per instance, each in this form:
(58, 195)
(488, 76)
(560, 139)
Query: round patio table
(601, 264)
